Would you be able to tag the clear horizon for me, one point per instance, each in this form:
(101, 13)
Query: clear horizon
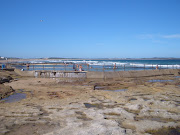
(90, 58)
(90, 28)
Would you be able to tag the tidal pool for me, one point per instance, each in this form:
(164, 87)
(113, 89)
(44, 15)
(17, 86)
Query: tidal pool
(99, 87)
(165, 131)
(117, 90)
(88, 105)
(160, 80)
(14, 98)
(106, 89)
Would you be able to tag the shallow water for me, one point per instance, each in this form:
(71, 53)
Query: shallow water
(132, 99)
(99, 87)
(14, 98)
(160, 80)
(104, 88)
(119, 90)
(88, 105)
(166, 131)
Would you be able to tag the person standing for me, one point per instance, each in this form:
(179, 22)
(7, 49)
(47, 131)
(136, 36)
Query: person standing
(114, 66)
(27, 65)
(80, 68)
(157, 67)
(77, 66)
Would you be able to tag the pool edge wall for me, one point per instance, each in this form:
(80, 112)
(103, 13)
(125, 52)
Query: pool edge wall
(98, 75)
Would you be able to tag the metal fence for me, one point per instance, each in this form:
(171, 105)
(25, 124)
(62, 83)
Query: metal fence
(87, 67)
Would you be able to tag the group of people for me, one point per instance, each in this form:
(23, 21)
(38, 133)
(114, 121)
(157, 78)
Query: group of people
(3, 66)
(157, 67)
(77, 67)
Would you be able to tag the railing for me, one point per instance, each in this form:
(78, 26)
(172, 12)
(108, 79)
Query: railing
(87, 67)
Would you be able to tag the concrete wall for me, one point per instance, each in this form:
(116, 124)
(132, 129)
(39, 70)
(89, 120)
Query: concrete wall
(128, 74)
(24, 73)
(95, 75)
(98, 75)
(59, 74)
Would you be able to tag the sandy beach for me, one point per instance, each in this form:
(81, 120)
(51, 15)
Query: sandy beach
(52, 106)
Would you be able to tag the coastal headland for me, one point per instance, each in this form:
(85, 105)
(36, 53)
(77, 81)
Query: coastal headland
(143, 103)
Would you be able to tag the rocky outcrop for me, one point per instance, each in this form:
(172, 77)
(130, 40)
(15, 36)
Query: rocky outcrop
(5, 91)
(5, 79)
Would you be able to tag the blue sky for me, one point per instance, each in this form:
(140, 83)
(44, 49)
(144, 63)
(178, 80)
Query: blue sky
(90, 28)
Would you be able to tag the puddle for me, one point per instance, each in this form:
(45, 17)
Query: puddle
(14, 98)
(132, 99)
(105, 89)
(160, 80)
(88, 105)
(177, 76)
(98, 88)
(163, 100)
(165, 131)
(117, 90)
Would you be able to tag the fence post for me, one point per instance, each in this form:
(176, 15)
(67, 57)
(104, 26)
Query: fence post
(53, 67)
(33, 66)
(124, 67)
(144, 66)
(43, 67)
